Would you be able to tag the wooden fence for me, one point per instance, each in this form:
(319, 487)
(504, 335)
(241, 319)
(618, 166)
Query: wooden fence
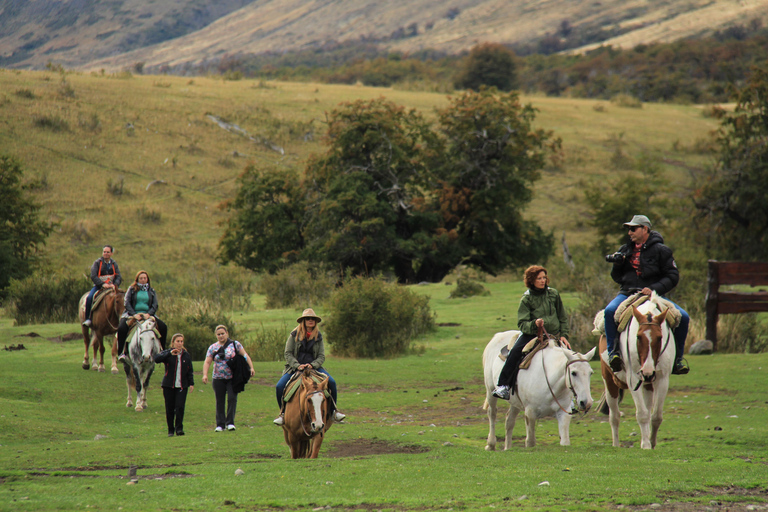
(725, 303)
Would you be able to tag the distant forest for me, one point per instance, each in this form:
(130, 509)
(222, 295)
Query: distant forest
(702, 70)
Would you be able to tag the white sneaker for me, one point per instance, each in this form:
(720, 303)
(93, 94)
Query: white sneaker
(88, 323)
(279, 421)
(338, 417)
(219, 429)
(501, 392)
(121, 358)
(230, 427)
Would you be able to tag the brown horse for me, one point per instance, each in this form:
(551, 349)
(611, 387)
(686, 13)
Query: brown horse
(307, 416)
(105, 318)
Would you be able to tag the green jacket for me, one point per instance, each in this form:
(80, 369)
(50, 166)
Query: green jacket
(292, 352)
(544, 304)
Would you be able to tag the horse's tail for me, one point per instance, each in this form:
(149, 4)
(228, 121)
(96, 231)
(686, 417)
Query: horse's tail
(602, 405)
(485, 404)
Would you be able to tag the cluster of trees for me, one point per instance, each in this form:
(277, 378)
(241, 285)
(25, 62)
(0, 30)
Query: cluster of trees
(395, 192)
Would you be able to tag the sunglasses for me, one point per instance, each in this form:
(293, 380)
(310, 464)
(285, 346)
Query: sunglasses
(633, 228)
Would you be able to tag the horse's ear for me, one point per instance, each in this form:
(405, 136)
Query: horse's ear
(589, 355)
(638, 315)
(659, 319)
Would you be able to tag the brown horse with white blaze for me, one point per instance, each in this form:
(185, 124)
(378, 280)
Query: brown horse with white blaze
(105, 317)
(307, 416)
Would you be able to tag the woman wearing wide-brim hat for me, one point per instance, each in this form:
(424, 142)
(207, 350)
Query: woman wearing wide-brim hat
(305, 348)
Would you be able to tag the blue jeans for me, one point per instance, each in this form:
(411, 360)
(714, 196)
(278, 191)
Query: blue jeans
(89, 301)
(680, 332)
(280, 388)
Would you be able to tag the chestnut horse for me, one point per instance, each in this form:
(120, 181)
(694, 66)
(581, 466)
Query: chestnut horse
(307, 416)
(647, 351)
(105, 317)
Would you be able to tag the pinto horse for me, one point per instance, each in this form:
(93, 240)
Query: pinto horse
(556, 379)
(647, 352)
(105, 317)
(140, 363)
(307, 416)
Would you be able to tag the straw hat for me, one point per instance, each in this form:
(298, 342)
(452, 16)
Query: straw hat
(308, 313)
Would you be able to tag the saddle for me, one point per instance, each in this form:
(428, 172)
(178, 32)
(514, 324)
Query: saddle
(99, 297)
(294, 384)
(624, 313)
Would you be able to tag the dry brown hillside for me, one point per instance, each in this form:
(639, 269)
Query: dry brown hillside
(113, 38)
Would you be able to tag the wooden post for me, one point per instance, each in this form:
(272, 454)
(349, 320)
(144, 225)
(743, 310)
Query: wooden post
(713, 285)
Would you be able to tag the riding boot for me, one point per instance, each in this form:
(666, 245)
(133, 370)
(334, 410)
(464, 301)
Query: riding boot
(280, 420)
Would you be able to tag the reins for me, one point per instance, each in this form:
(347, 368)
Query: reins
(306, 412)
(568, 380)
(629, 353)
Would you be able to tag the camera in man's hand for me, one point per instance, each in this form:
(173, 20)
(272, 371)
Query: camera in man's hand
(616, 257)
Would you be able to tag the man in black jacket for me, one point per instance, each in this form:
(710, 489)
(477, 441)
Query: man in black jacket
(644, 265)
(178, 380)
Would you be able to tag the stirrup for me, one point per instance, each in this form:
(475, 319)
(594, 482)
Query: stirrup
(615, 362)
(680, 368)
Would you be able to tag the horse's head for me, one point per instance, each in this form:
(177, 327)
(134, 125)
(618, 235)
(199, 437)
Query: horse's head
(148, 343)
(314, 400)
(650, 335)
(578, 372)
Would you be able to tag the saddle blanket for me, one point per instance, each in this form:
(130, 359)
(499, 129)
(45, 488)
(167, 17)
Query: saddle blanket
(295, 383)
(624, 313)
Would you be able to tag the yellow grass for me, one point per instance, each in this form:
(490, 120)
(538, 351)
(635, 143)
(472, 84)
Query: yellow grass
(157, 128)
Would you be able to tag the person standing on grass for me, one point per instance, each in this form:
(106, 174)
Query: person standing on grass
(219, 353)
(177, 381)
(541, 306)
(303, 349)
(105, 275)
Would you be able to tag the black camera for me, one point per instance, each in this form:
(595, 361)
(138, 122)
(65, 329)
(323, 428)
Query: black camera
(616, 257)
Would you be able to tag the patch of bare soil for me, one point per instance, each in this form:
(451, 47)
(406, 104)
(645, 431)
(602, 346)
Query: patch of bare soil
(721, 499)
(366, 447)
(67, 337)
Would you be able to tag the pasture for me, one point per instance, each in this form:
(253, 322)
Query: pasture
(414, 438)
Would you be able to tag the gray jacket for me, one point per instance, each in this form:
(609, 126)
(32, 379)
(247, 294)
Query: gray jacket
(105, 268)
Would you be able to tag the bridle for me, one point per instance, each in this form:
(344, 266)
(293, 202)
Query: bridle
(305, 412)
(640, 378)
(568, 378)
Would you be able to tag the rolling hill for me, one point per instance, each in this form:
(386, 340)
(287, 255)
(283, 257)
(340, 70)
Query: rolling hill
(89, 34)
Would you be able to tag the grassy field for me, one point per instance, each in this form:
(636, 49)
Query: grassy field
(414, 439)
(95, 143)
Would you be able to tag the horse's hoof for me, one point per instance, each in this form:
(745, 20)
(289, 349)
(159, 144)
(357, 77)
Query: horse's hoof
(101, 368)
(114, 370)
(86, 366)
(129, 404)
(95, 367)
(139, 408)
(490, 448)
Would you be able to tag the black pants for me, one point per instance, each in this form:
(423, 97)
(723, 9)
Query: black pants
(508, 376)
(223, 390)
(122, 333)
(175, 400)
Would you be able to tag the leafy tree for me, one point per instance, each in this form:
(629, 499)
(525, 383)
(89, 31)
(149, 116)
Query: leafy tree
(488, 64)
(22, 232)
(733, 201)
(265, 227)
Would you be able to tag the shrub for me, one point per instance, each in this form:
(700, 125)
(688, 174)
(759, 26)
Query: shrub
(50, 122)
(370, 318)
(741, 334)
(117, 187)
(466, 286)
(196, 320)
(267, 344)
(226, 287)
(25, 93)
(626, 101)
(149, 216)
(297, 285)
(44, 298)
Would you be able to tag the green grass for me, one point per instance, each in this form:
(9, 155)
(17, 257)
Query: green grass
(51, 412)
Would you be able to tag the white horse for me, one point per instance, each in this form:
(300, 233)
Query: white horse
(140, 363)
(648, 351)
(555, 378)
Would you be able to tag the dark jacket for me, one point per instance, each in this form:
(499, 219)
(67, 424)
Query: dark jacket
(545, 304)
(241, 372)
(105, 268)
(170, 362)
(130, 302)
(292, 352)
(658, 270)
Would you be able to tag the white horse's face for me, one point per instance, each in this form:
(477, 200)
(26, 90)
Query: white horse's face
(147, 340)
(579, 374)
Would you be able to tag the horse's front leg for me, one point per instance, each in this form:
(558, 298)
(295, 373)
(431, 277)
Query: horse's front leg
(95, 343)
(564, 427)
(657, 417)
(87, 341)
(113, 352)
(509, 425)
(129, 384)
(643, 414)
(101, 356)
(530, 428)
(490, 444)
(316, 441)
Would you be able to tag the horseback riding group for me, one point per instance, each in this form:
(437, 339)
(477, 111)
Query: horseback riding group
(642, 343)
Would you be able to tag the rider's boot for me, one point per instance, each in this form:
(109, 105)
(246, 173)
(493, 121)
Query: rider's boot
(680, 367)
(501, 392)
(338, 417)
(87, 322)
(280, 420)
(614, 360)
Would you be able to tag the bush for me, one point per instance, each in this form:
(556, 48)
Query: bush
(267, 344)
(50, 122)
(626, 101)
(196, 320)
(297, 285)
(226, 287)
(370, 318)
(43, 298)
(466, 286)
(741, 334)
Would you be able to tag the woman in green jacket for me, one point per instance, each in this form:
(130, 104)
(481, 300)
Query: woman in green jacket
(305, 348)
(540, 306)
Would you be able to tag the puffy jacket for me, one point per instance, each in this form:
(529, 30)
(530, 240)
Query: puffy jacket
(545, 304)
(658, 270)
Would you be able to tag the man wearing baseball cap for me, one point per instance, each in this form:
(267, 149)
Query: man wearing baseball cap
(643, 265)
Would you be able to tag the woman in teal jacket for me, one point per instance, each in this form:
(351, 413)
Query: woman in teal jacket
(540, 306)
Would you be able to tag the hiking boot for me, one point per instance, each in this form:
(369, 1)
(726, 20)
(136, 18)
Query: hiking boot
(615, 362)
(338, 417)
(680, 368)
(279, 421)
(87, 323)
(501, 392)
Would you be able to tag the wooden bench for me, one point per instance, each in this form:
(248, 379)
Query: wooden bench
(725, 303)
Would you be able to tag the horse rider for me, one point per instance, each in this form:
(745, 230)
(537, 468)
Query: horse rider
(646, 265)
(304, 348)
(140, 304)
(105, 274)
